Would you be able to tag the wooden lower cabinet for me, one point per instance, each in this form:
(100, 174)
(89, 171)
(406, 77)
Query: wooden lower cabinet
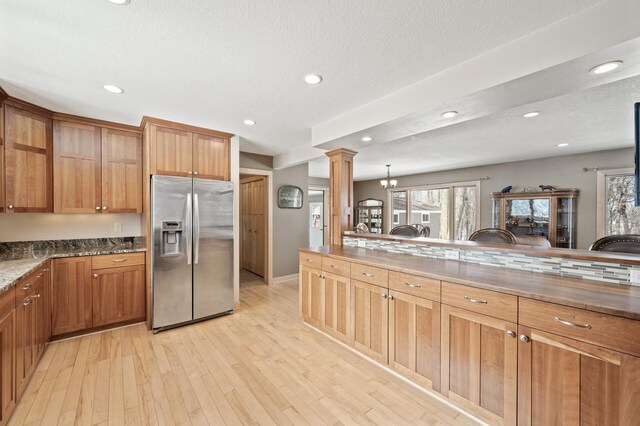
(311, 297)
(480, 364)
(7, 364)
(29, 334)
(414, 338)
(337, 306)
(370, 320)
(563, 381)
(71, 294)
(118, 295)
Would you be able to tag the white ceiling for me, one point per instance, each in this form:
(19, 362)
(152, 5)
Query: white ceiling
(216, 63)
(590, 120)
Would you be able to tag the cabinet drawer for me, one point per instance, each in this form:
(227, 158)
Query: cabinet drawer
(117, 260)
(25, 286)
(492, 303)
(427, 288)
(335, 266)
(8, 301)
(312, 260)
(620, 334)
(370, 274)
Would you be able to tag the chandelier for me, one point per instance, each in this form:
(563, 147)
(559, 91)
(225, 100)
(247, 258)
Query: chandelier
(384, 183)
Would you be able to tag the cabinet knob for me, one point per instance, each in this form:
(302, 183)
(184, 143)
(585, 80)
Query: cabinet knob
(95, 275)
(511, 333)
(383, 295)
(195, 173)
(10, 206)
(104, 207)
(190, 172)
(98, 208)
(524, 338)
(391, 297)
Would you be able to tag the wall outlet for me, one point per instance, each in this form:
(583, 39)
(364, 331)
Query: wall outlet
(634, 276)
(117, 227)
(362, 243)
(452, 254)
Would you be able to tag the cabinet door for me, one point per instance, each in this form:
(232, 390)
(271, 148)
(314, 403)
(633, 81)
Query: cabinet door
(76, 168)
(479, 364)
(337, 306)
(118, 295)
(414, 338)
(311, 298)
(566, 382)
(71, 294)
(29, 153)
(210, 157)
(26, 342)
(46, 296)
(39, 313)
(370, 320)
(172, 151)
(2, 187)
(7, 367)
(121, 172)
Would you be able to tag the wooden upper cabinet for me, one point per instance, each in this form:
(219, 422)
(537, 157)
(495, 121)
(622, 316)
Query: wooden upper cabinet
(121, 171)
(77, 168)
(28, 162)
(181, 150)
(479, 363)
(2, 203)
(563, 382)
(173, 151)
(210, 157)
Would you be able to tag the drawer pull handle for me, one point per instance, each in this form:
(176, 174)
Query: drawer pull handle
(124, 259)
(334, 266)
(321, 276)
(26, 287)
(572, 324)
(27, 302)
(472, 300)
(308, 260)
(368, 275)
(36, 296)
(413, 285)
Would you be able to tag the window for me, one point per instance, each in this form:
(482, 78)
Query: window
(450, 209)
(616, 213)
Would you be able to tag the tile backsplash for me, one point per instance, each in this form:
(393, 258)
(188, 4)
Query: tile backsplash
(589, 270)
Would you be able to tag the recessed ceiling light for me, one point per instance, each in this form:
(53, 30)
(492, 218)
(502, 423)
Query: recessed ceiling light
(449, 114)
(120, 2)
(531, 114)
(313, 78)
(367, 139)
(606, 67)
(249, 122)
(113, 89)
(562, 145)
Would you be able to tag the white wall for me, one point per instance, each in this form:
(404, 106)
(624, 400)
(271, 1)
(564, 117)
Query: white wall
(47, 226)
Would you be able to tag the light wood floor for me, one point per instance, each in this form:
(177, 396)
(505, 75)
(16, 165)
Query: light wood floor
(249, 279)
(260, 365)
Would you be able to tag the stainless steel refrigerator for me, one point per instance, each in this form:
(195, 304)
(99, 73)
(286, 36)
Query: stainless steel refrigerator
(192, 250)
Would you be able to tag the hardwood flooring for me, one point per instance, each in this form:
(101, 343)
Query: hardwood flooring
(260, 365)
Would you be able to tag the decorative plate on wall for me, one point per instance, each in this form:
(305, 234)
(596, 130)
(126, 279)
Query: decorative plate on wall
(289, 197)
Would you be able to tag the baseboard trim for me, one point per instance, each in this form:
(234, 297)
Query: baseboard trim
(277, 280)
(389, 370)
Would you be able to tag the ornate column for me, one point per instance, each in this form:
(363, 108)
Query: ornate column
(341, 192)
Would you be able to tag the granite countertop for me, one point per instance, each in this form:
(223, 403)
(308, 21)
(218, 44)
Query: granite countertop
(613, 299)
(16, 264)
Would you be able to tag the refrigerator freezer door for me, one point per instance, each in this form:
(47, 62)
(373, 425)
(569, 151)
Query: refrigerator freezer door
(213, 247)
(171, 221)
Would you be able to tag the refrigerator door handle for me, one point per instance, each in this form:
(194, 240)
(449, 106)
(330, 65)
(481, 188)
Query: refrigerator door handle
(196, 228)
(189, 229)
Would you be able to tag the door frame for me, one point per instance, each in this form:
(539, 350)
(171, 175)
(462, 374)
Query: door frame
(326, 193)
(268, 277)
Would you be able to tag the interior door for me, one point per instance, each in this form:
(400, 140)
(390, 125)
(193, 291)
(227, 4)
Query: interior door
(171, 218)
(213, 247)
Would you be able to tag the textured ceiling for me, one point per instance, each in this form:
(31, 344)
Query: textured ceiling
(215, 63)
(591, 120)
